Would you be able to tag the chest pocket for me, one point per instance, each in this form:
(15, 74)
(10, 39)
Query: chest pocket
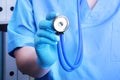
(115, 41)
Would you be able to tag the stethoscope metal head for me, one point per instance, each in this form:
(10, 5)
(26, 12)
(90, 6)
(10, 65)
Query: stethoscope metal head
(60, 24)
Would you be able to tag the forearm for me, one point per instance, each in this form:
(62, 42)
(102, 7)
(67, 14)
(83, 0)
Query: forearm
(26, 62)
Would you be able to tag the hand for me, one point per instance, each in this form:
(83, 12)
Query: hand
(46, 42)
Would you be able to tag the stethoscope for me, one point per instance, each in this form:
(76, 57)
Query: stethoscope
(60, 24)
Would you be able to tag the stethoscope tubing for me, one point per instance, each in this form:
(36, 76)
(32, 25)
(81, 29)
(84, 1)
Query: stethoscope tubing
(66, 65)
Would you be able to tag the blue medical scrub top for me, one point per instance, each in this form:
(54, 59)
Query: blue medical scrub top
(100, 33)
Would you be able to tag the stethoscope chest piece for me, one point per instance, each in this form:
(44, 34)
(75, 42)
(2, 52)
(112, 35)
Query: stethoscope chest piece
(60, 24)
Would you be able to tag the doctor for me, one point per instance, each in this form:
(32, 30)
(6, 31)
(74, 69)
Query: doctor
(33, 42)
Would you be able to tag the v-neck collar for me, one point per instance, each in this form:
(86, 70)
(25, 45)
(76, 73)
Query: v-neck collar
(102, 11)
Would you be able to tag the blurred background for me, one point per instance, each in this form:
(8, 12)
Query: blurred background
(8, 69)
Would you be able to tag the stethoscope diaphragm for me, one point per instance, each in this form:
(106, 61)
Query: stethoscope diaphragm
(60, 24)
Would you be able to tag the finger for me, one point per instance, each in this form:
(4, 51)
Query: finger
(51, 16)
(45, 24)
(48, 34)
(43, 40)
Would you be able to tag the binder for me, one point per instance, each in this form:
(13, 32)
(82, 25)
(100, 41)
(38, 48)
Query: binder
(8, 68)
(22, 76)
(1, 55)
(9, 8)
(9, 65)
(3, 11)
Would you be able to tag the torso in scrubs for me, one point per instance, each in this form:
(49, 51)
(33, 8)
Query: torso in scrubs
(100, 33)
